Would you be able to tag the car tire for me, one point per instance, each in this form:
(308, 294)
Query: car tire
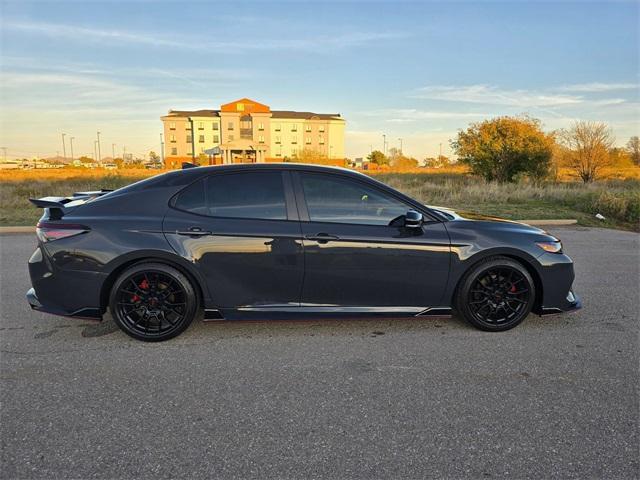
(153, 302)
(496, 294)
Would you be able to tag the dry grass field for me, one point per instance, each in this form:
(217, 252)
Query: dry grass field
(616, 195)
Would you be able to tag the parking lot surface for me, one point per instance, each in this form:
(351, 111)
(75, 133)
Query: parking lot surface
(555, 397)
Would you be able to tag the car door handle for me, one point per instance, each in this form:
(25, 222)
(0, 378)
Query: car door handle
(321, 237)
(193, 232)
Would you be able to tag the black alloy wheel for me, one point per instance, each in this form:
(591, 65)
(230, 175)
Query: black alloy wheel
(153, 302)
(496, 294)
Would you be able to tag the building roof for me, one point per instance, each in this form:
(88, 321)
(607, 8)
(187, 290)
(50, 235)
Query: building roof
(304, 115)
(274, 113)
(193, 113)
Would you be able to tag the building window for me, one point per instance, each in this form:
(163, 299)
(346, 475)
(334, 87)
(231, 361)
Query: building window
(189, 139)
(216, 139)
(278, 155)
(230, 126)
(294, 128)
(230, 138)
(261, 127)
(321, 139)
(308, 141)
(321, 128)
(201, 139)
(216, 126)
(277, 128)
(174, 151)
(172, 138)
(172, 125)
(278, 140)
(294, 140)
(201, 126)
(261, 138)
(308, 128)
(188, 127)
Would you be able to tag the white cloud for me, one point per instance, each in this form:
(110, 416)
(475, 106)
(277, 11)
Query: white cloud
(597, 87)
(317, 43)
(491, 95)
(406, 115)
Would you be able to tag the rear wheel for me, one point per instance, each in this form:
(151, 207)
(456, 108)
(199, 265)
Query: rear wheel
(153, 302)
(496, 295)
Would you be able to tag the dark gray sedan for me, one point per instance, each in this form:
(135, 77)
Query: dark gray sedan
(285, 241)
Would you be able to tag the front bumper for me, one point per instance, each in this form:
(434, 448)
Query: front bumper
(556, 281)
(573, 303)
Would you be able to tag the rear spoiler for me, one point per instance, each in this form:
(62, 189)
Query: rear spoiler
(58, 205)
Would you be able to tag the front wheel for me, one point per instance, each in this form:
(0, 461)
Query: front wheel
(496, 295)
(153, 302)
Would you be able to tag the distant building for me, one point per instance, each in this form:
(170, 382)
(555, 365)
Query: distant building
(246, 131)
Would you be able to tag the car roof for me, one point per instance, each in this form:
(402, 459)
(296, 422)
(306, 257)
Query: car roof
(195, 172)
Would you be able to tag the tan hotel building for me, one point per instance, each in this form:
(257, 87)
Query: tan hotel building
(248, 131)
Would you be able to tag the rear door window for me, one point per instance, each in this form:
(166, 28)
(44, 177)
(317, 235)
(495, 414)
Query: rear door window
(256, 195)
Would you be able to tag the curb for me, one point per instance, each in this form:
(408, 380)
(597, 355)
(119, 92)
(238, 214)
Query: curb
(569, 221)
(17, 230)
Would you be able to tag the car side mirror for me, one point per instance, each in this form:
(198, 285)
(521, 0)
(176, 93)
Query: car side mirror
(413, 219)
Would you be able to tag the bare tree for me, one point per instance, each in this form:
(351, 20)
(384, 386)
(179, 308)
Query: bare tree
(587, 145)
(633, 147)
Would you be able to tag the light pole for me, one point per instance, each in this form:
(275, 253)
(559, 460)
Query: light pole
(400, 146)
(99, 159)
(384, 144)
(64, 149)
(161, 151)
(71, 143)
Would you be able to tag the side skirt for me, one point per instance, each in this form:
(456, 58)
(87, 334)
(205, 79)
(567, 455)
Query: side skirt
(290, 312)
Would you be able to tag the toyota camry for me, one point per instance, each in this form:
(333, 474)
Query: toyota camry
(285, 241)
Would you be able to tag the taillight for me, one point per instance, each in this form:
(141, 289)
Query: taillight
(47, 232)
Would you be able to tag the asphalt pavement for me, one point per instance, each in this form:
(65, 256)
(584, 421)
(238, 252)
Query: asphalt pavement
(557, 397)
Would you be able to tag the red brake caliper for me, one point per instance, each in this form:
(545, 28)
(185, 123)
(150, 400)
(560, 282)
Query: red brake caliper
(512, 289)
(143, 285)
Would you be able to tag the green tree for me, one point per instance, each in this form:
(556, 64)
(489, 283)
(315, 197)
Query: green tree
(502, 148)
(378, 157)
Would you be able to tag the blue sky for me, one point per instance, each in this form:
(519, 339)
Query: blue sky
(417, 70)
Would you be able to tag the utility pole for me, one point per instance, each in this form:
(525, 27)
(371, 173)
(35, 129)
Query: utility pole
(384, 144)
(161, 150)
(64, 149)
(99, 159)
(400, 146)
(71, 142)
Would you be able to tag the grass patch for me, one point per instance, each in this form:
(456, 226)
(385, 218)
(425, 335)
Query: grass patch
(617, 200)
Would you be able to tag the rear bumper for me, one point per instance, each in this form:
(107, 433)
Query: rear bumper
(58, 291)
(84, 313)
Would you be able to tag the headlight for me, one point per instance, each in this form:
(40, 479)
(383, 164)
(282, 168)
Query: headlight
(551, 247)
